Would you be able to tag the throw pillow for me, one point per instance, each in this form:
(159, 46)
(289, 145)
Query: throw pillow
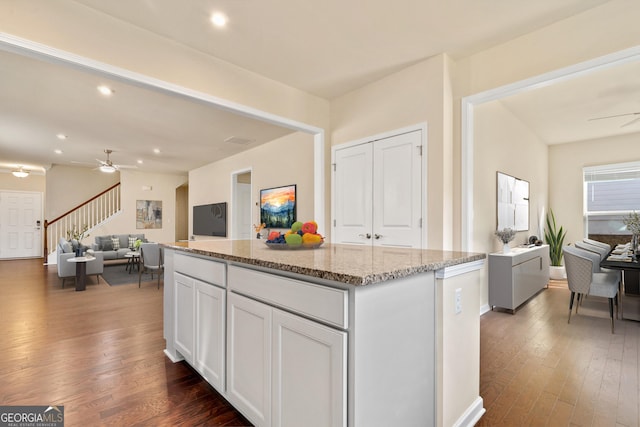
(107, 245)
(132, 242)
(74, 244)
(66, 248)
(115, 242)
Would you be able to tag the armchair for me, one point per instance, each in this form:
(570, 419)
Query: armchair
(65, 269)
(68, 269)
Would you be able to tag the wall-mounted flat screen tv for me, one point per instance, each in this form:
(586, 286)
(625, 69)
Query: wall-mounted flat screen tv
(210, 220)
(278, 206)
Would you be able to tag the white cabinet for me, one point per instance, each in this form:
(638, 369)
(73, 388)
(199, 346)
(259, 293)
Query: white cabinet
(516, 276)
(378, 192)
(308, 373)
(249, 356)
(200, 316)
(283, 369)
(209, 354)
(184, 327)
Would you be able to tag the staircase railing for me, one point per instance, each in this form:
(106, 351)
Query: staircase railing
(89, 214)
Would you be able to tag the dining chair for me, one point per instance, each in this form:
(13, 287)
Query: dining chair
(597, 243)
(600, 250)
(151, 260)
(583, 279)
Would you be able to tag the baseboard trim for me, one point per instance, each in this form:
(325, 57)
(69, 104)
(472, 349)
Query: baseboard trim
(170, 356)
(471, 416)
(485, 309)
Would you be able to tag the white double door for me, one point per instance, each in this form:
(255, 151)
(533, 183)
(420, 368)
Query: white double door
(378, 192)
(20, 224)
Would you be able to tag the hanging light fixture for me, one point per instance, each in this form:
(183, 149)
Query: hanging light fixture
(108, 168)
(20, 173)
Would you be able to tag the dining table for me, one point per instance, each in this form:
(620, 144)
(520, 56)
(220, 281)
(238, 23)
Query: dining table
(629, 264)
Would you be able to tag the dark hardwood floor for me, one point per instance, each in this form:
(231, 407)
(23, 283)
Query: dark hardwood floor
(99, 353)
(535, 369)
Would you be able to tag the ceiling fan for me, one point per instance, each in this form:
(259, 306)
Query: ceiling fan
(108, 166)
(629, 123)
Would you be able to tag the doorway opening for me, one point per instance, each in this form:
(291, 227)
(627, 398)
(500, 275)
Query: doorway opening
(182, 213)
(241, 206)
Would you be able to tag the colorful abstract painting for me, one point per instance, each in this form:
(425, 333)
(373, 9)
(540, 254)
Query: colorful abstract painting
(278, 206)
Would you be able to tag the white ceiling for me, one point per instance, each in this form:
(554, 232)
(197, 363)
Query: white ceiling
(565, 111)
(331, 47)
(325, 48)
(39, 99)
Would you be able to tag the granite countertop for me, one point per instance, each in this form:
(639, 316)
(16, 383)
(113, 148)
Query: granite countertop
(351, 264)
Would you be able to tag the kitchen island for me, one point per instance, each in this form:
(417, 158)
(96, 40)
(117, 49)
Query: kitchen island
(339, 335)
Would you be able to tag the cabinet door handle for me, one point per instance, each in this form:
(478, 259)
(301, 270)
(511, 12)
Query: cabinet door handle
(368, 235)
(377, 236)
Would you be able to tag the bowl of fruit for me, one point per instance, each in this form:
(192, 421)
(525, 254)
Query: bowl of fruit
(301, 236)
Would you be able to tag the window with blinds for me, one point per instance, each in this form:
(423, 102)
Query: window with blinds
(611, 192)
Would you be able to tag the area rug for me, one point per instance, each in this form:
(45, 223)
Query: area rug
(117, 274)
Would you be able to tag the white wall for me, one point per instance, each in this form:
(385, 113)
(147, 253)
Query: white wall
(69, 186)
(31, 183)
(408, 97)
(163, 189)
(284, 161)
(565, 175)
(504, 143)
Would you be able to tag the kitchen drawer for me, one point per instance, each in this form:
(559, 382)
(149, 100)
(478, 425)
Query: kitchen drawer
(208, 271)
(323, 303)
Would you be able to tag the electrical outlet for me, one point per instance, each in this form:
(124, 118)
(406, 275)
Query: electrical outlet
(458, 301)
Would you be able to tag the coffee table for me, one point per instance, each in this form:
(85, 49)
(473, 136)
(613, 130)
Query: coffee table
(81, 270)
(133, 260)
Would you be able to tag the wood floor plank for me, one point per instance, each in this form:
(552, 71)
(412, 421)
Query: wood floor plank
(537, 369)
(98, 352)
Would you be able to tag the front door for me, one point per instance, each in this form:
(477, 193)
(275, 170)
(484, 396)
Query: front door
(20, 224)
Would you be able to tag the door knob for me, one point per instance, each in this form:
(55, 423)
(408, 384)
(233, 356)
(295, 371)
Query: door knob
(377, 236)
(368, 235)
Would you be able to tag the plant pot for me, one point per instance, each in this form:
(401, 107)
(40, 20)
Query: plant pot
(557, 272)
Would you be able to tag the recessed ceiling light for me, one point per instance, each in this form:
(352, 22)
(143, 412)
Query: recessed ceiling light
(140, 162)
(105, 90)
(61, 136)
(57, 151)
(218, 19)
(156, 150)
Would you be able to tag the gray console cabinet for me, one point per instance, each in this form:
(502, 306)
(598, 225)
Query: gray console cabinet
(517, 276)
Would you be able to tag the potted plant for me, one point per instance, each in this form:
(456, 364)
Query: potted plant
(554, 237)
(75, 236)
(632, 223)
(506, 235)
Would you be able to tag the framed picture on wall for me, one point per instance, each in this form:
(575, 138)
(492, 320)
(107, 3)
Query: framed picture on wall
(148, 214)
(278, 206)
(513, 202)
